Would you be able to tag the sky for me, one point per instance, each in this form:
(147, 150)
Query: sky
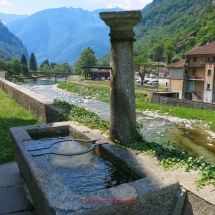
(28, 7)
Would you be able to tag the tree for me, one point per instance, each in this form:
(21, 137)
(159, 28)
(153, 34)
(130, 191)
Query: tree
(14, 67)
(24, 65)
(143, 69)
(45, 62)
(23, 60)
(33, 62)
(65, 67)
(3, 65)
(158, 52)
(87, 58)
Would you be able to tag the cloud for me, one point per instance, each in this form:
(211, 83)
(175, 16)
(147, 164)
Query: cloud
(4, 2)
(125, 4)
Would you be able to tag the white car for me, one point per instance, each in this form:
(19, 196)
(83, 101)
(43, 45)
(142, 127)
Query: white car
(153, 82)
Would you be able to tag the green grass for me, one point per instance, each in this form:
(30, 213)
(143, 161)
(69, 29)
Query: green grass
(82, 116)
(11, 115)
(206, 116)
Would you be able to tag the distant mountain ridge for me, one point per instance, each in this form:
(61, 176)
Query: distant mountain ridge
(59, 35)
(6, 18)
(10, 46)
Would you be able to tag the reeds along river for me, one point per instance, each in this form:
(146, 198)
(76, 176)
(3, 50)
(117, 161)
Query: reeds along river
(197, 141)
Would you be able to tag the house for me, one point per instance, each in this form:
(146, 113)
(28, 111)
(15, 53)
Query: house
(161, 69)
(176, 78)
(98, 72)
(193, 78)
(158, 67)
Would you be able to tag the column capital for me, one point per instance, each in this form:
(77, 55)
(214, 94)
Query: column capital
(121, 23)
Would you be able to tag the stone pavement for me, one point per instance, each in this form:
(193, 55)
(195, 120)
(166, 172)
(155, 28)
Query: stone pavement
(14, 197)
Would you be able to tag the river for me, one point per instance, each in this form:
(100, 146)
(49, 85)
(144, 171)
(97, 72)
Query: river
(183, 133)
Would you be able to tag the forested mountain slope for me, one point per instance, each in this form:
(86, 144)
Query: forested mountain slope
(10, 46)
(178, 25)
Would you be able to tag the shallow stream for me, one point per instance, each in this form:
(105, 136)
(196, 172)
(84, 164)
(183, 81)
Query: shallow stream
(197, 141)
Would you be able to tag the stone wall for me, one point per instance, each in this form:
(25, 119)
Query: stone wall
(39, 106)
(182, 102)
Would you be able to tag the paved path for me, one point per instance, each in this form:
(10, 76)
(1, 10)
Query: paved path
(13, 192)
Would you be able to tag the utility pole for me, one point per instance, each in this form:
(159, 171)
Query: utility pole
(158, 75)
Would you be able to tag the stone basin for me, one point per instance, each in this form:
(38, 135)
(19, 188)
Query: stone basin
(52, 194)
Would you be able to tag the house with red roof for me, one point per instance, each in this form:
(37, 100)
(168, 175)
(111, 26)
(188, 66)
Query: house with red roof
(193, 78)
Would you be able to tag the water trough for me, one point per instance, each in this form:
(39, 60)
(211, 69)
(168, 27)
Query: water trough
(58, 185)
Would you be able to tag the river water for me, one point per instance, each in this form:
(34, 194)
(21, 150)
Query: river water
(183, 133)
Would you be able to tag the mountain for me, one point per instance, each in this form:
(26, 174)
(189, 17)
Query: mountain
(178, 25)
(61, 34)
(10, 46)
(6, 18)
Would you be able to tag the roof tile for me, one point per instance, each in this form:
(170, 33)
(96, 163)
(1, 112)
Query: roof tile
(203, 50)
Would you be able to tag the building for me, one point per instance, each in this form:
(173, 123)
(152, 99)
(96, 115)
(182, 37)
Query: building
(176, 78)
(193, 78)
(97, 72)
(2, 74)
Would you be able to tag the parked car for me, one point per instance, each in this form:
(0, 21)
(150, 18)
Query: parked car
(151, 82)
(144, 81)
(136, 79)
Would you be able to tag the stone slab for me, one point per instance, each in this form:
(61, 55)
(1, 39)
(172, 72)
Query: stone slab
(197, 206)
(9, 175)
(13, 200)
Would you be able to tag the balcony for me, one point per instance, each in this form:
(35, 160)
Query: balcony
(194, 77)
(196, 64)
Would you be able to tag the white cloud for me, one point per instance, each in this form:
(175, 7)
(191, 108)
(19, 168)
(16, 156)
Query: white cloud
(4, 2)
(125, 4)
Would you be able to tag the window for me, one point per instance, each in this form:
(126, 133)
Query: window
(214, 58)
(186, 72)
(194, 72)
(208, 86)
(195, 59)
(207, 58)
(209, 72)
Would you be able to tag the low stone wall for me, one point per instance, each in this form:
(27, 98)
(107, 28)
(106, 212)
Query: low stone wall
(182, 102)
(39, 106)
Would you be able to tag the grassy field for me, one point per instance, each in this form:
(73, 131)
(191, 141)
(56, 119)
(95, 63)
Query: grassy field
(11, 115)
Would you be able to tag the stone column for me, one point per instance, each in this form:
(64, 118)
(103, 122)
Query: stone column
(122, 90)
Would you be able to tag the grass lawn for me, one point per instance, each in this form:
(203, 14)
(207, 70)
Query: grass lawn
(11, 115)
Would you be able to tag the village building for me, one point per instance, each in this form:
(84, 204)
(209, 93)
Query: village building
(193, 78)
(97, 72)
(2, 74)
